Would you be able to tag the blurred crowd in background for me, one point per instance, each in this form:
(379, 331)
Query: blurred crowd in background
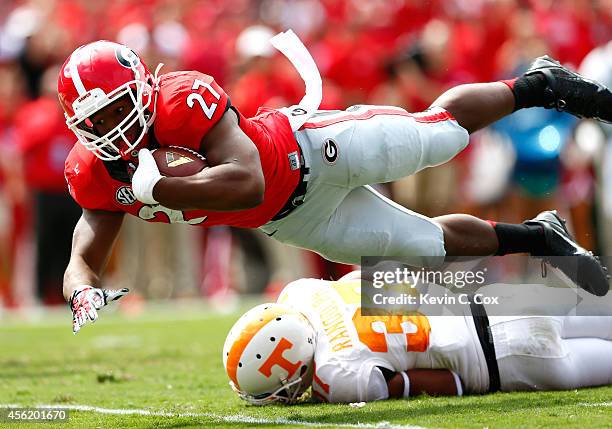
(397, 52)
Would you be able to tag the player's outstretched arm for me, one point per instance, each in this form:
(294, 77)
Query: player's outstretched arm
(414, 382)
(234, 181)
(93, 239)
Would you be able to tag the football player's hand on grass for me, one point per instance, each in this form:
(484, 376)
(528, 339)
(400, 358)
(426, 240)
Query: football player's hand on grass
(87, 300)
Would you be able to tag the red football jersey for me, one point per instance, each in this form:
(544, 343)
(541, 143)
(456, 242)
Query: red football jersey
(188, 106)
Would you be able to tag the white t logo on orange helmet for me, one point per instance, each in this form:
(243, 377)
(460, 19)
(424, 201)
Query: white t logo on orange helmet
(269, 354)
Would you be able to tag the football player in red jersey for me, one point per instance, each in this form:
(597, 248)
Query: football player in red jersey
(300, 176)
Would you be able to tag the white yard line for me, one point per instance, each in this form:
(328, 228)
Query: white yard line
(595, 404)
(220, 418)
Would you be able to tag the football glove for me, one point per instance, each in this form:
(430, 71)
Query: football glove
(145, 177)
(87, 300)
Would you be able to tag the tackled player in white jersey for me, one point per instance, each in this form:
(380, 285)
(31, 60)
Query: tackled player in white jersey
(315, 335)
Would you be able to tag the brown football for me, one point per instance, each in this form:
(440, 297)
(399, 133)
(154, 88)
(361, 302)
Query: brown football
(175, 161)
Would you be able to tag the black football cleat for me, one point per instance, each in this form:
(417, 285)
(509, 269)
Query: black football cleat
(569, 92)
(562, 252)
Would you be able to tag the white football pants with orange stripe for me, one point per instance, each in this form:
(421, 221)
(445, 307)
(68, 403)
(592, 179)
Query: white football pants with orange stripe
(342, 218)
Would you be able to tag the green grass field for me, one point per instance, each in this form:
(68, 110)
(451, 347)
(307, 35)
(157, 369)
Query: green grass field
(168, 361)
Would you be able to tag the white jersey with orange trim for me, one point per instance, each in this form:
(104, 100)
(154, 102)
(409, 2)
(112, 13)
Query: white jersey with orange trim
(350, 346)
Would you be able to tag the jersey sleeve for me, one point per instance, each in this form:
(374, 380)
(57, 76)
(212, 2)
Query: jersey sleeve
(375, 387)
(82, 185)
(189, 104)
(347, 382)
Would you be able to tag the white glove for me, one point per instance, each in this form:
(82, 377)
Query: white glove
(145, 177)
(86, 300)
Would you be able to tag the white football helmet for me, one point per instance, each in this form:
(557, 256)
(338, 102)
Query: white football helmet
(269, 355)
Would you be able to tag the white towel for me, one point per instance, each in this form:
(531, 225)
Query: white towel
(293, 48)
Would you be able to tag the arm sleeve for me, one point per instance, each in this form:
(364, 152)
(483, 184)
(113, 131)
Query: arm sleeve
(84, 189)
(352, 383)
(375, 386)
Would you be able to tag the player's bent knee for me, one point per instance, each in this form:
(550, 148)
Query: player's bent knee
(445, 144)
(538, 361)
(423, 247)
(530, 373)
(544, 340)
(427, 253)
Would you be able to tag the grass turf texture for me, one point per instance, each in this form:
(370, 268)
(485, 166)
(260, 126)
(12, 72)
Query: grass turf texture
(170, 360)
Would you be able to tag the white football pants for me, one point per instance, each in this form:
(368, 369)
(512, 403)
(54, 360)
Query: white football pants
(342, 218)
(554, 353)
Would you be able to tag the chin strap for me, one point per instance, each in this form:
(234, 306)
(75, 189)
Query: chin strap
(156, 76)
(288, 393)
(155, 89)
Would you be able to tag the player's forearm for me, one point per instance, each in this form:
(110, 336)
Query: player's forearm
(435, 382)
(94, 237)
(78, 273)
(224, 187)
(439, 382)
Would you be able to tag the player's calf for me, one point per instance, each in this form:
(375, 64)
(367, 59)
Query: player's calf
(545, 84)
(547, 237)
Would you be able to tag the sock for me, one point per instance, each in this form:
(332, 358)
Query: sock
(528, 90)
(519, 238)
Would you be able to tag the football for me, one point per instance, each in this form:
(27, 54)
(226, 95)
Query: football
(175, 161)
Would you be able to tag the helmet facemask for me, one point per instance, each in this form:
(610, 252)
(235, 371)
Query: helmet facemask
(289, 393)
(115, 144)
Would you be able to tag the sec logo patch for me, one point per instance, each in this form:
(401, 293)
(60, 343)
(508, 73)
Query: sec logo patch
(125, 196)
(329, 151)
